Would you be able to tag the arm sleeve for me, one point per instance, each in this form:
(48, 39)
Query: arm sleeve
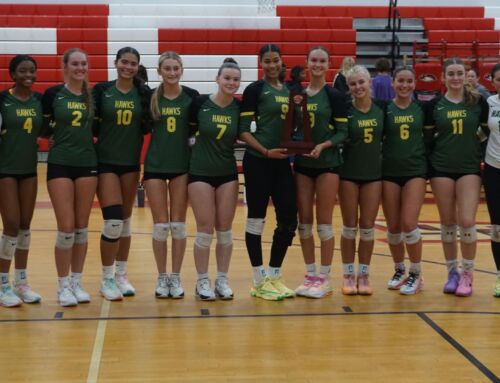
(248, 110)
(97, 95)
(339, 116)
(48, 112)
(193, 119)
(429, 124)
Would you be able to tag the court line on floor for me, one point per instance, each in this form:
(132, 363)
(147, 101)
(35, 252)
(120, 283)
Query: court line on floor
(461, 349)
(95, 360)
(229, 316)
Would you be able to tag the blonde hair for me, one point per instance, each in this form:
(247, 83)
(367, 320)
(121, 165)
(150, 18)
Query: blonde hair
(87, 94)
(471, 96)
(158, 92)
(347, 63)
(358, 69)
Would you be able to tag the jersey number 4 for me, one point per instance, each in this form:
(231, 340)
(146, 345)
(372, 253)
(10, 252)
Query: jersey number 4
(28, 125)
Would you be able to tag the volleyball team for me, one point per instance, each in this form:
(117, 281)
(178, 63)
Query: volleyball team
(366, 152)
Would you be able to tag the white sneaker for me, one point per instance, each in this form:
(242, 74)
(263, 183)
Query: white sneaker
(80, 294)
(124, 285)
(320, 288)
(413, 284)
(397, 280)
(66, 298)
(109, 290)
(174, 284)
(222, 289)
(8, 298)
(306, 284)
(162, 290)
(24, 291)
(203, 290)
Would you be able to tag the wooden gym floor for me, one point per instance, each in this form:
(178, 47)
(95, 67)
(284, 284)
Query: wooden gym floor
(430, 337)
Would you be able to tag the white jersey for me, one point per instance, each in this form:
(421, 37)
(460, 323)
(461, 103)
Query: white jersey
(493, 149)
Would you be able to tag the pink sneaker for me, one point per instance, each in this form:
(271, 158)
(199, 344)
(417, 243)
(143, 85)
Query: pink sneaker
(364, 287)
(464, 288)
(305, 286)
(349, 285)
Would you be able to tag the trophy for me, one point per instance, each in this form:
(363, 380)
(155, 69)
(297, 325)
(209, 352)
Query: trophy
(296, 136)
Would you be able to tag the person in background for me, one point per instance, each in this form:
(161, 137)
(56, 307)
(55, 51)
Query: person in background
(382, 82)
(473, 80)
(340, 82)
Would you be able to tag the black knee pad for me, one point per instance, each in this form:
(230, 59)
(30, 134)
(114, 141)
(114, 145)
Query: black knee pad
(112, 212)
(284, 232)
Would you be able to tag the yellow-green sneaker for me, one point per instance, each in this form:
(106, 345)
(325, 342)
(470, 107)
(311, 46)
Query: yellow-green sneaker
(279, 284)
(266, 290)
(496, 292)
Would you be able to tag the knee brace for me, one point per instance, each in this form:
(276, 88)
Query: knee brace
(178, 230)
(349, 232)
(366, 234)
(160, 231)
(112, 230)
(24, 239)
(468, 234)
(113, 223)
(394, 238)
(65, 241)
(325, 232)
(255, 226)
(7, 247)
(126, 231)
(412, 237)
(203, 240)
(495, 233)
(81, 236)
(284, 232)
(448, 233)
(305, 230)
(224, 238)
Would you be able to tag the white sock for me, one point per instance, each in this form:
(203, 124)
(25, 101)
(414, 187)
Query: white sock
(121, 267)
(325, 270)
(63, 282)
(415, 268)
(273, 272)
(4, 278)
(76, 277)
(259, 274)
(468, 265)
(348, 268)
(452, 265)
(311, 269)
(108, 272)
(220, 274)
(363, 269)
(21, 277)
(202, 276)
(400, 266)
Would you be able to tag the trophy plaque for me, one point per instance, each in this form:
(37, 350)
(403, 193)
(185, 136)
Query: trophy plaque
(296, 136)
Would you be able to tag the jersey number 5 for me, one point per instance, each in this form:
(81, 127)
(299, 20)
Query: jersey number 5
(368, 135)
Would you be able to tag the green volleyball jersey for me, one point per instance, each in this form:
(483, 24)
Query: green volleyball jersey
(455, 146)
(362, 149)
(71, 121)
(328, 121)
(403, 149)
(168, 151)
(119, 118)
(268, 106)
(21, 125)
(213, 151)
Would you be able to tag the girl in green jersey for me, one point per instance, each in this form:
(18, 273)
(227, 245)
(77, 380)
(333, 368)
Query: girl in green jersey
(71, 172)
(213, 179)
(360, 181)
(122, 118)
(455, 159)
(165, 171)
(404, 168)
(22, 117)
(316, 174)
